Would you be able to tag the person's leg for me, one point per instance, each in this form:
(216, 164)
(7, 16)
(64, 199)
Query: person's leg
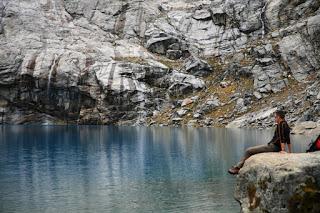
(256, 150)
(252, 151)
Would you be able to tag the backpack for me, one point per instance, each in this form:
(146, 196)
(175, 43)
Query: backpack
(314, 146)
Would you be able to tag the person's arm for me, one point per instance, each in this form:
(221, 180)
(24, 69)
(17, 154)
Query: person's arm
(281, 138)
(274, 138)
(289, 148)
(286, 133)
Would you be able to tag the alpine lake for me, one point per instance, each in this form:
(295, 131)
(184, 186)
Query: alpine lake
(123, 169)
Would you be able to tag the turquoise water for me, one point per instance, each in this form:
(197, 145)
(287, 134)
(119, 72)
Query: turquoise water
(121, 169)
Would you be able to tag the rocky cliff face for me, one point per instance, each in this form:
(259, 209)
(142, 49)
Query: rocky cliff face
(158, 62)
(280, 183)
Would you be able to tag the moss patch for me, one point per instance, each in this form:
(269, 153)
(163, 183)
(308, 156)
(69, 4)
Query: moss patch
(135, 60)
(163, 117)
(215, 63)
(306, 201)
(172, 64)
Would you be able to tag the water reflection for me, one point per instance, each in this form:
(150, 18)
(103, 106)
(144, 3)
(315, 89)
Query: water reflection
(121, 169)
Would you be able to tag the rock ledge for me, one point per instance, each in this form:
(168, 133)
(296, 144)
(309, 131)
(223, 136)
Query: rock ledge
(274, 182)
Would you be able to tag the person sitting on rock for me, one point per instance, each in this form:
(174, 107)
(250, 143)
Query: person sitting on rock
(277, 144)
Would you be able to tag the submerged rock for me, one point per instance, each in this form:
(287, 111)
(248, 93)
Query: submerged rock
(279, 183)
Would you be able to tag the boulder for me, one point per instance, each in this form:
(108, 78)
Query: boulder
(263, 51)
(184, 83)
(268, 78)
(279, 183)
(209, 105)
(182, 112)
(240, 105)
(303, 127)
(257, 95)
(186, 102)
(225, 84)
(174, 54)
(202, 14)
(197, 115)
(197, 67)
(265, 61)
(160, 44)
(176, 120)
(249, 118)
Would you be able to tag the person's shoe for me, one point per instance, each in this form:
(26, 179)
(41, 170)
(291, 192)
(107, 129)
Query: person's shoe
(234, 170)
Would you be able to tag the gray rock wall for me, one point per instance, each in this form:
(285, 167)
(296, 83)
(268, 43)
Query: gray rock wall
(109, 61)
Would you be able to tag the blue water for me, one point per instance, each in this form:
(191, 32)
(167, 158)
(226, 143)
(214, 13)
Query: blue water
(121, 169)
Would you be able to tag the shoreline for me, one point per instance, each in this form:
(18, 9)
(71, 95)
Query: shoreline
(306, 132)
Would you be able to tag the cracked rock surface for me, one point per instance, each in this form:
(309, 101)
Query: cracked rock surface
(122, 62)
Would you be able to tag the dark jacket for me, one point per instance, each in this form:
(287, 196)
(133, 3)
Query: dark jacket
(281, 134)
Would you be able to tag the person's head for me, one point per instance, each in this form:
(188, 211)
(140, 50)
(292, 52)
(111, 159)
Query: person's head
(280, 116)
